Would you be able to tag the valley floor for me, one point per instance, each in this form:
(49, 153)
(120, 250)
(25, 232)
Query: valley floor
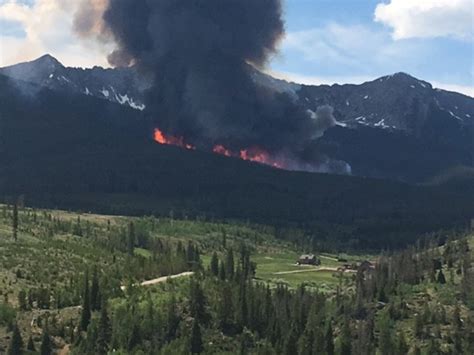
(65, 270)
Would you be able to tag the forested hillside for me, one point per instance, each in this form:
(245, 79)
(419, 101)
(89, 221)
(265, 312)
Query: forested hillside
(66, 151)
(71, 283)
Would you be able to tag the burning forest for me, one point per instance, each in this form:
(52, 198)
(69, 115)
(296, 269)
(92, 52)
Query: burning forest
(201, 55)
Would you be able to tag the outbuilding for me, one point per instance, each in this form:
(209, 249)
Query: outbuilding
(308, 259)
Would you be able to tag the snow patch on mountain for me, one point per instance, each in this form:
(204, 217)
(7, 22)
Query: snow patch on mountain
(105, 92)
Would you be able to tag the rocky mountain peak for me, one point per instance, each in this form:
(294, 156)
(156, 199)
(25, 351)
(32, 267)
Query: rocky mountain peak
(47, 60)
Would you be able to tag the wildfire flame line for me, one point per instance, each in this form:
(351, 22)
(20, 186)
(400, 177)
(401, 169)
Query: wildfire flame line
(254, 154)
(162, 138)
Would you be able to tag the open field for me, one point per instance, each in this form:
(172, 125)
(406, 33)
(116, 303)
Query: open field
(56, 249)
(281, 268)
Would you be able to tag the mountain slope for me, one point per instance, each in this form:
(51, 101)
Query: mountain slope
(395, 127)
(397, 101)
(123, 86)
(59, 149)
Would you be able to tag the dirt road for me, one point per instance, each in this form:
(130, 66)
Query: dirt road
(163, 279)
(306, 270)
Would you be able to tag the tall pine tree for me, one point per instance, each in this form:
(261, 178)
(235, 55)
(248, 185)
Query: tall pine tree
(104, 331)
(46, 348)
(214, 266)
(195, 343)
(229, 263)
(16, 342)
(95, 291)
(15, 221)
(131, 239)
(329, 339)
(86, 306)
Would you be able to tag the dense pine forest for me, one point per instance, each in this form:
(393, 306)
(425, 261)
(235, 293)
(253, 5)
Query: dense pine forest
(96, 284)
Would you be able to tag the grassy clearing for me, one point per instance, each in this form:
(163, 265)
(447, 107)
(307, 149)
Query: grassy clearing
(281, 268)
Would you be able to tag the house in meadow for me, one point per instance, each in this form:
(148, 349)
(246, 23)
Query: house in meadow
(308, 259)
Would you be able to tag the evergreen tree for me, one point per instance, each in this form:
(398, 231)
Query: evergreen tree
(46, 348)
(172, 321)
(329, 340)
(195, 343)
(229, 263)
(192, 255)
(77, 229)
(345, 339)
(95, 291)
(319, 344)
(86, 307)
(243, 346)
(214, 266)
(222, 274)
(180, 252)
(432, 348)
(402, 346)
(457, 322)
(418, 325)
(468, 335)
(441, 279)
(457, 342)
(225, 310)
(305, 343)
(16, 342)
(134, 338)
(243, 314)
(90, 344)
(22, 302)
(197, 302)
(385, 334)
(292, 341)
(364, 342)
(224, 239)
(31, 345)
(15, 221)
(131, 239)
(104, 331)
(416, 350)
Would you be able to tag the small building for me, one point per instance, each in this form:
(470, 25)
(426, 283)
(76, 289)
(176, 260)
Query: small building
(347, 267)
(366, 266)
(308, 259)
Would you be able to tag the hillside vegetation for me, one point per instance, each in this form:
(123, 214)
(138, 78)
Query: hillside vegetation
(70, 282)
(105, 161)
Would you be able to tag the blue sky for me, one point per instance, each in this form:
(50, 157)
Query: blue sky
(327, 41)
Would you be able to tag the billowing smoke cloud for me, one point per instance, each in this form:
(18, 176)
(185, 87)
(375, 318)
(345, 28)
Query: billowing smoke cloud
(323, 119)
(202, 54)
(88, 19)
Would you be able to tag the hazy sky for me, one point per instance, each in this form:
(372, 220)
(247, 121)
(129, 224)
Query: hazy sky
(327, 41)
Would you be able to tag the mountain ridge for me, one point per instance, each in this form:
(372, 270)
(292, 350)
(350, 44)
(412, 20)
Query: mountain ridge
(350, 101)
(395, 127)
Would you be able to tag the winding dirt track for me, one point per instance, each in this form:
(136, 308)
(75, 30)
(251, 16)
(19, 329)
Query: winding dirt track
(306, 270)
(162, 279)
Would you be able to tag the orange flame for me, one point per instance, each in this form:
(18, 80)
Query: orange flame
(254, 154)
(220, 149)
(162, 138)
(261, 156)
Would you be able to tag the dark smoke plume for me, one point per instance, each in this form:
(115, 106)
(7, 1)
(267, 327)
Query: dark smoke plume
(202, 54)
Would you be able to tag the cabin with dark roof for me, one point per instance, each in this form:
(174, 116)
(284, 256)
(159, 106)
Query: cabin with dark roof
(308, 259)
